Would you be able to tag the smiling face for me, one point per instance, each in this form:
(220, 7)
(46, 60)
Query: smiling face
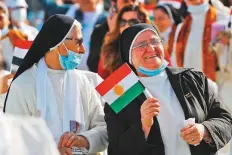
(147, 51)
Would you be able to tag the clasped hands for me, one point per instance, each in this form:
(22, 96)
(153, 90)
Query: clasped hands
(69, 140)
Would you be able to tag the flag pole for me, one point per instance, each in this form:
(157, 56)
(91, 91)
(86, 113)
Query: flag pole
(147, 93)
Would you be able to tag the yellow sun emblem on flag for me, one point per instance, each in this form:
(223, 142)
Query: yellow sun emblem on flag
(118, 90)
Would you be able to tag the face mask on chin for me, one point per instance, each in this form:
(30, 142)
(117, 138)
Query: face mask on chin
(154, 72)
(198, 8)
(19, 15)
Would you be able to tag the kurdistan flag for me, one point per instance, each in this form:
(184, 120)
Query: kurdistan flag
(120, 88)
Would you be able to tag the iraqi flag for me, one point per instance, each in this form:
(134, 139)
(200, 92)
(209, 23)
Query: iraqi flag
(20, 50)
(120, 88)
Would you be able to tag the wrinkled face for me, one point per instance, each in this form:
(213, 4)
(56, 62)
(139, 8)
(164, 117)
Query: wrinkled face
(73, 42)
(194, 2)
(161, 20)
(147, 51)
(128, 19)
(4, 21)
(121, 3)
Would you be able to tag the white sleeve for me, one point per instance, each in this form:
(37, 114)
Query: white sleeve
(97, 134)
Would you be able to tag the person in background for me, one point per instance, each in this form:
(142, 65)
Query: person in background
(100, 30)
(181, 115)
(166, 19)
(9, 36)
(110, 57)
(35, 13)
(7, 42)
(193, 41)
(58, 93)
(218, 4)
(18, 16)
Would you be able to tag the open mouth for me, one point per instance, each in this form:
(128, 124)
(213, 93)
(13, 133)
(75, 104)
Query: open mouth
(150, 57)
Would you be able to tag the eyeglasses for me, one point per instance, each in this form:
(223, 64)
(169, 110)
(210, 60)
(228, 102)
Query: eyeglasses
(144, 44)
(79, 42)
(131, 22)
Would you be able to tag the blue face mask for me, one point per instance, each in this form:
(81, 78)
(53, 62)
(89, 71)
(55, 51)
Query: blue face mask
(198, 8)
(71, 61)
(155, 72)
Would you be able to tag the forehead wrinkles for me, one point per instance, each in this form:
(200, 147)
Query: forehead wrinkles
(145, 36)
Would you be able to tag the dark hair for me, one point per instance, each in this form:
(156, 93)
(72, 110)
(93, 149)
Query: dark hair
(110, 48)
(177, 17)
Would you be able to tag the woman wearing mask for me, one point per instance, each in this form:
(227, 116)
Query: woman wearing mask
(166, 18)
(182, 115)
(128, 16)
(58, 93)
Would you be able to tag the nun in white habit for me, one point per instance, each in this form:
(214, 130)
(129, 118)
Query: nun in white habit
(47, 85)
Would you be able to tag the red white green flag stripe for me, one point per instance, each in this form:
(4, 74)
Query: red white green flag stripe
(120, 88)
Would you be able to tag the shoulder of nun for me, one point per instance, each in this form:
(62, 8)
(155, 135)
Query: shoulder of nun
(27, 80)
(92, 77)
(195, 77)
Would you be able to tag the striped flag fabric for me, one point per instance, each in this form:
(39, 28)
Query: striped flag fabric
(120, 88)
(20, 50)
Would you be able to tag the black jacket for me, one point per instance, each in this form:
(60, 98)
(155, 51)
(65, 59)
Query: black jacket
(197, 99)
(97, 39)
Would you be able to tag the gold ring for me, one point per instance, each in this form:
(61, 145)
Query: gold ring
(193, 138)
(72, 137)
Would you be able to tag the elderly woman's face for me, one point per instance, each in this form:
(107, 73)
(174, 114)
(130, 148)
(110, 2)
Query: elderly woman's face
(147, 51)
(73, 42)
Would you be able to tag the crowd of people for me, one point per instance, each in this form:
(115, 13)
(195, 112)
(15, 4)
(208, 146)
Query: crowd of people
(54, 53)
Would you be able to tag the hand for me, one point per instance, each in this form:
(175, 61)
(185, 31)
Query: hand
(6, 80)
(149, 109)
(193, 133)
(69, 139)
(65, 151)
(112, 18)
